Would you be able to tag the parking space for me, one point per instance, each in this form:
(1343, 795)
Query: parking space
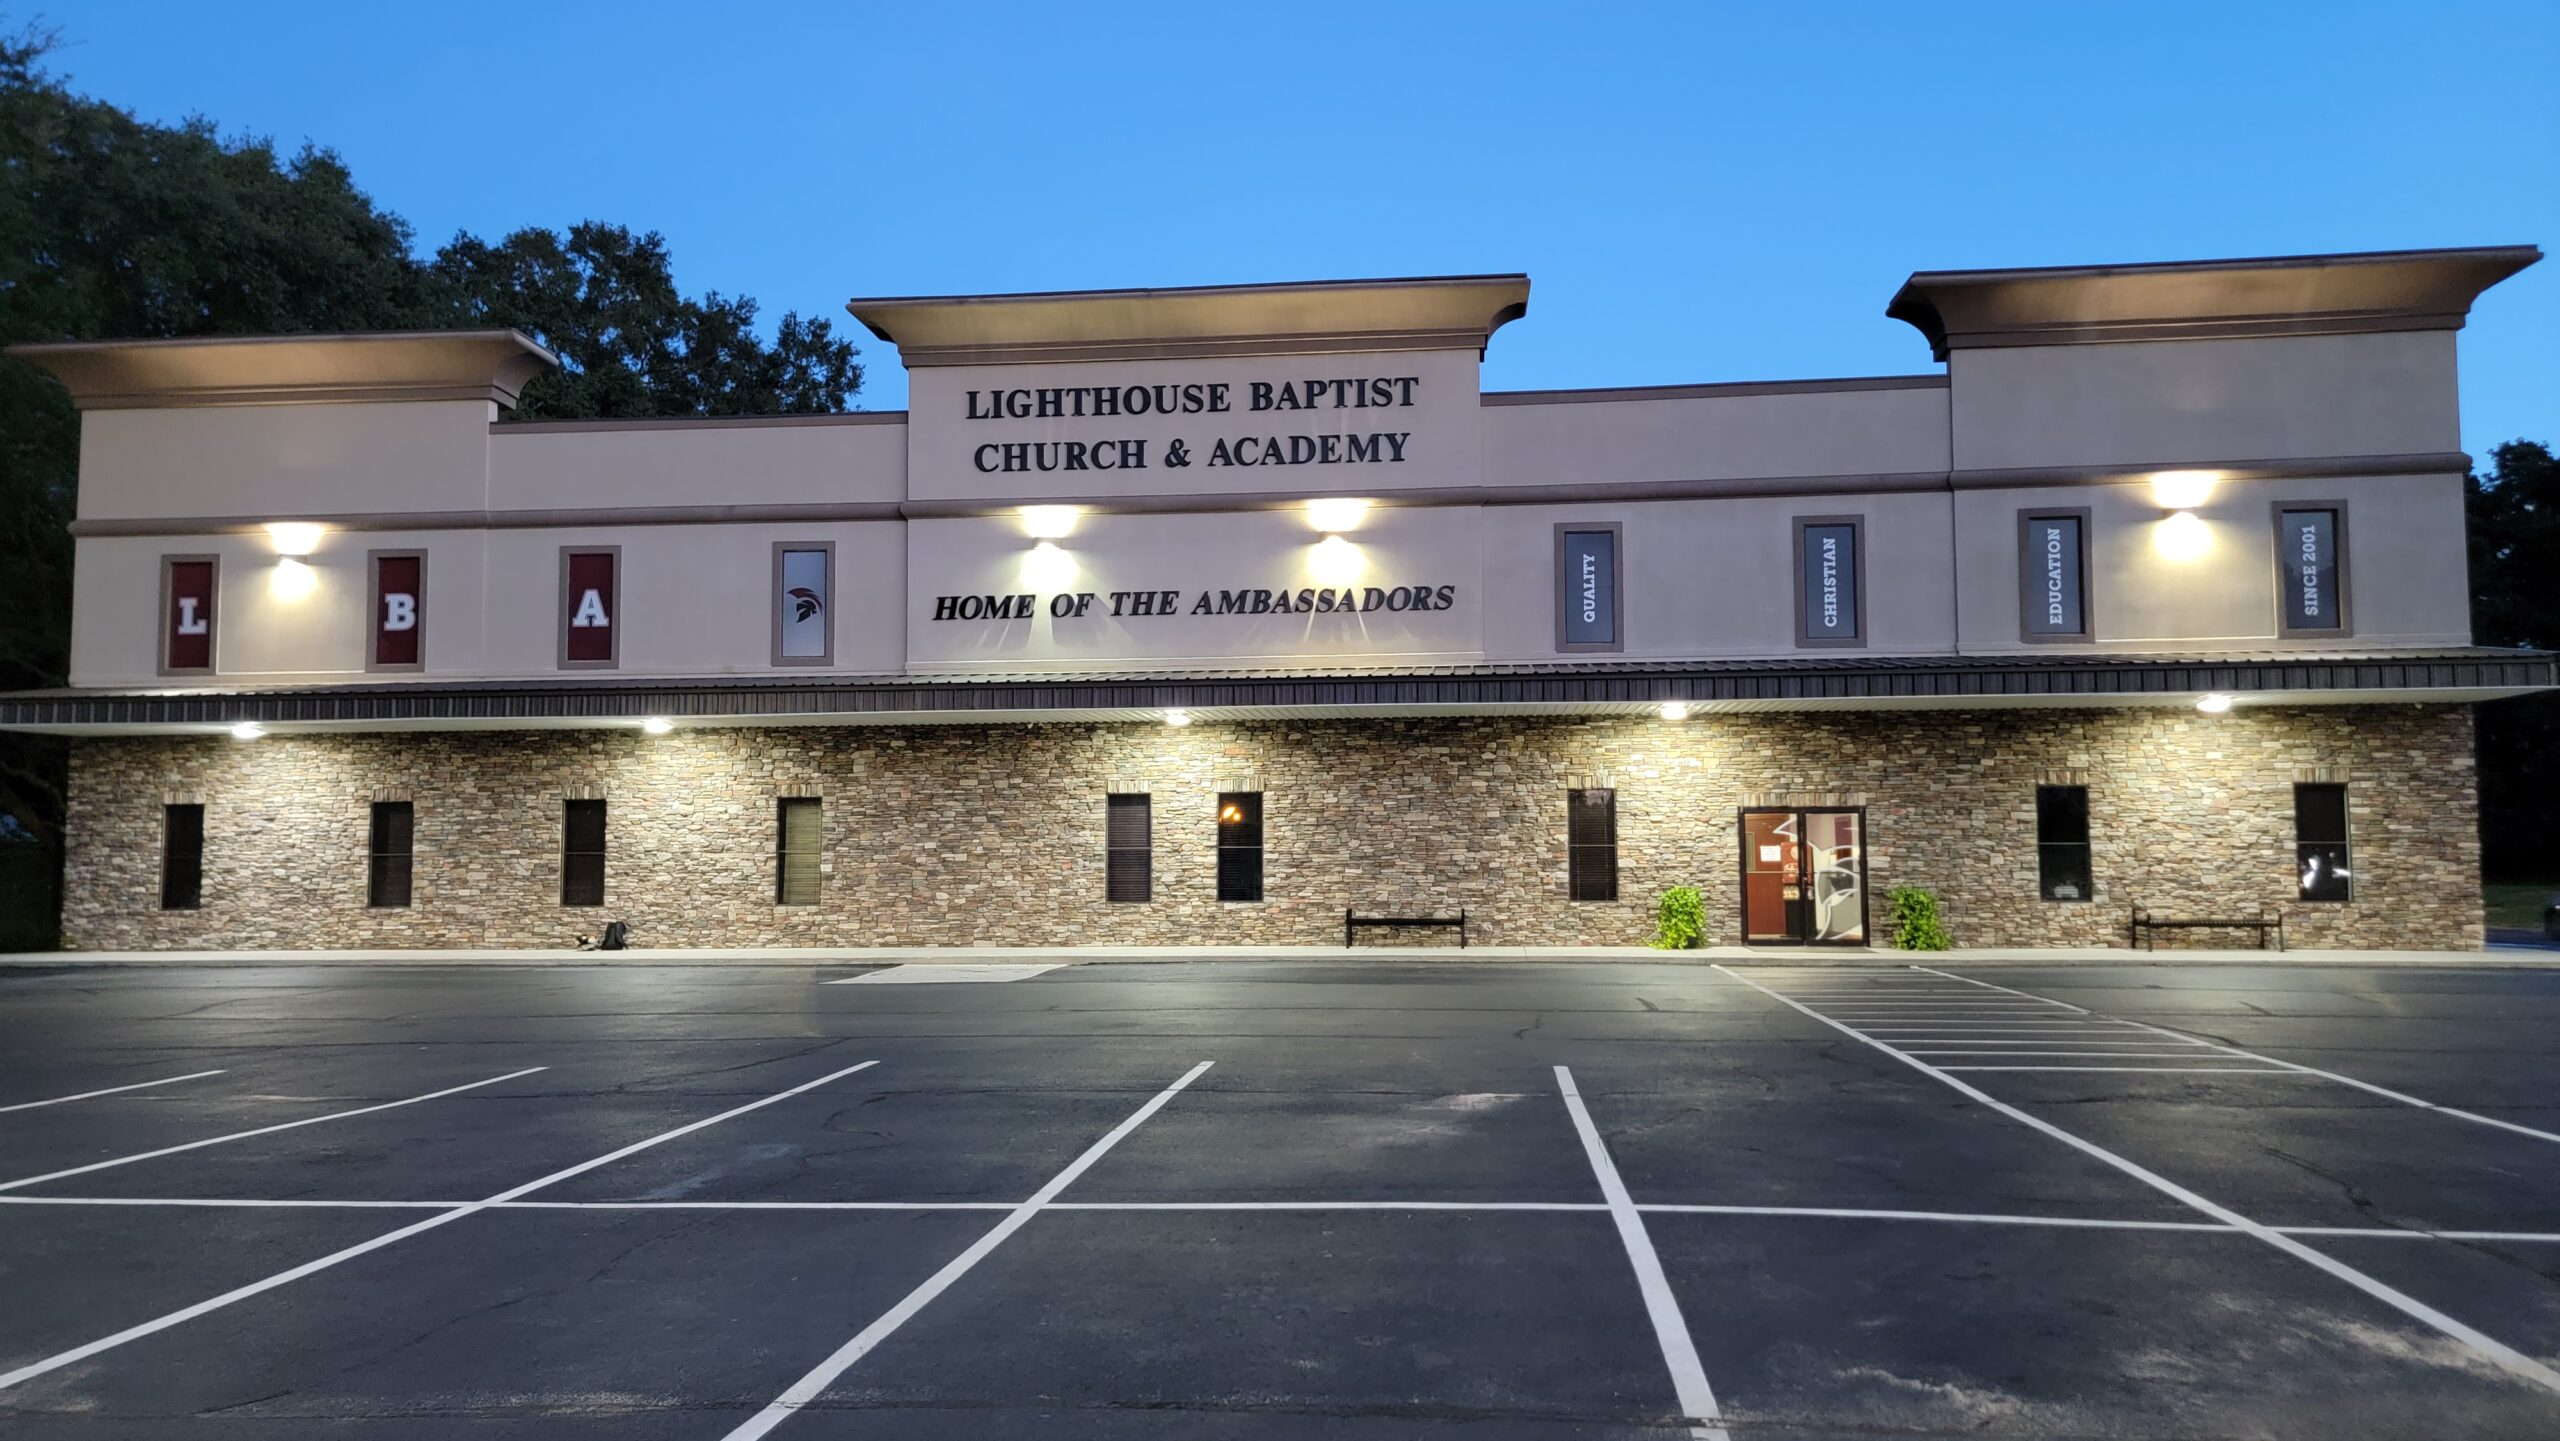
(1263, 1200)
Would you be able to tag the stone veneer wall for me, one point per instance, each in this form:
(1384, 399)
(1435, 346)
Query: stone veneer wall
(994, 835)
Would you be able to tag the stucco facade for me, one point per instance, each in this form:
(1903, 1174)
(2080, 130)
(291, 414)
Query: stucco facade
(2183, 541)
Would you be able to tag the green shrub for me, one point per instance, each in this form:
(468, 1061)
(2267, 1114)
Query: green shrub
(1682, 920)
(1916, 926)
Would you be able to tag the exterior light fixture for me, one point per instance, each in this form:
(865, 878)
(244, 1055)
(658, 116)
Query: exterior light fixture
(1336, 515)
(1336, 561)
(292, 580)
(1049, 522)
(2214, 704)
(295, 537)
(247, 731)
(2183, 536)
(1675, 710)
(2183, 489)
(1177, 717)
(657, 725)
(1046, 567)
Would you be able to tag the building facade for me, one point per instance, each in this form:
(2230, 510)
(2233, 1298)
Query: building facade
(1203, 616)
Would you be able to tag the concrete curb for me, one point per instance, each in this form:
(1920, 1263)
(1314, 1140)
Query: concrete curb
(2512, 959)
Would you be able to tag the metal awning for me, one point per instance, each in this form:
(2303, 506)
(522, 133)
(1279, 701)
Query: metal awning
(1559, 688)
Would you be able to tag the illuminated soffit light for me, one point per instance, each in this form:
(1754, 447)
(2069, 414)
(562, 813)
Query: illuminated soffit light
(247, 731)
(2214, 704)
(1177, 717)
(657, 725)
(295, 537)
(1675, 710)
(1049, 522)
(1336, 514)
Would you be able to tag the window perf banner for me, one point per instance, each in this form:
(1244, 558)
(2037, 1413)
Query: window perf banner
(1828, 576)
(2307, 557)
(588, 637)
(1587, 587)
(187, 628)
(803, 595)
(2055, 597)
(399, 600)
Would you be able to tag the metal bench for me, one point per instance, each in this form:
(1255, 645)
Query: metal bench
(2145, 928)
(1349, 921)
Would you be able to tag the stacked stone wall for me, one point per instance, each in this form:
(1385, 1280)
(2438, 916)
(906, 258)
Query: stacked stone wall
(954, 835)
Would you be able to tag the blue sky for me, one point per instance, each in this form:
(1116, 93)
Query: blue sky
(1698, 192)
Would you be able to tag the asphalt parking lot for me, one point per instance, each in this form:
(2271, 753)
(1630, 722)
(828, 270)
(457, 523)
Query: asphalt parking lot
(1267, 1200)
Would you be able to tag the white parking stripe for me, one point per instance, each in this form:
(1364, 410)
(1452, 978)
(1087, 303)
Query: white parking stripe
(808, 1388)
(2368, 1087)
(261, 1131)
(2491, 1349)
(110, 1091)
(1670, 1331)
(2142, 1070)
(242, 1293)
(2005, 990)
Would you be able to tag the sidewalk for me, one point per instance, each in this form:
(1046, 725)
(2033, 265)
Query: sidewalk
(2499, 957)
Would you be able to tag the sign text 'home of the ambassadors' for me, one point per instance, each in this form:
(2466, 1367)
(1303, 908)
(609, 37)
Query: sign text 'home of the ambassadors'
(1277, 446)
(1259, 600)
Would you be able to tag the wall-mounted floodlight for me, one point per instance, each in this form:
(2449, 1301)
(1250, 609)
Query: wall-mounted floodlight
(291, 580)
(1336, 561)
(2183, 536)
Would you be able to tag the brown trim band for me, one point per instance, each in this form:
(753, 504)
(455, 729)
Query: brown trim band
(693, 422)
(2096, 679)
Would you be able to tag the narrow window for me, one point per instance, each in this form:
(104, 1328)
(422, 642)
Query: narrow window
(2311, 570)
(1129, 842)
(181, 857)
(387, 862)
(2062, 843)
(582, 854)
(1591, 843)
(2320, 843)
(800, 840)
(1240, 845)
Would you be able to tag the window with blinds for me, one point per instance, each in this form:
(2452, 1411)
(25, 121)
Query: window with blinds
(799, 842)
(582, 853)
(387, 859)
(1239, 845)
(1591, 844)
(1130, 848)
(181, 857)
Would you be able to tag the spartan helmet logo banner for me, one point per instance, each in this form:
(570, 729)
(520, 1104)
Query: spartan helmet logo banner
(800, 622)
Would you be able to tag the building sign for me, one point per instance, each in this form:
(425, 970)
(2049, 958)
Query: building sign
(1587, 587)
(589, 607)
(399, 610)
(803, 601)
(2053, 579)
(1275, 436)
(2307, 566)
(187, 589)
(1257, 600)
(1830, 610)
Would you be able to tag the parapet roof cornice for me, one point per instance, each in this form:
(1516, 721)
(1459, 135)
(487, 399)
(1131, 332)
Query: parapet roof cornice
(2203, 299)
(1442, 312)
(492, 365)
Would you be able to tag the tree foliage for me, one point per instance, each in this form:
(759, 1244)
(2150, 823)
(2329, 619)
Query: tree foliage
(2515, 600)
(113, 227)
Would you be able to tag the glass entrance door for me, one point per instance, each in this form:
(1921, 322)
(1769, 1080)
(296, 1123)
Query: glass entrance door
(1804, 877)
